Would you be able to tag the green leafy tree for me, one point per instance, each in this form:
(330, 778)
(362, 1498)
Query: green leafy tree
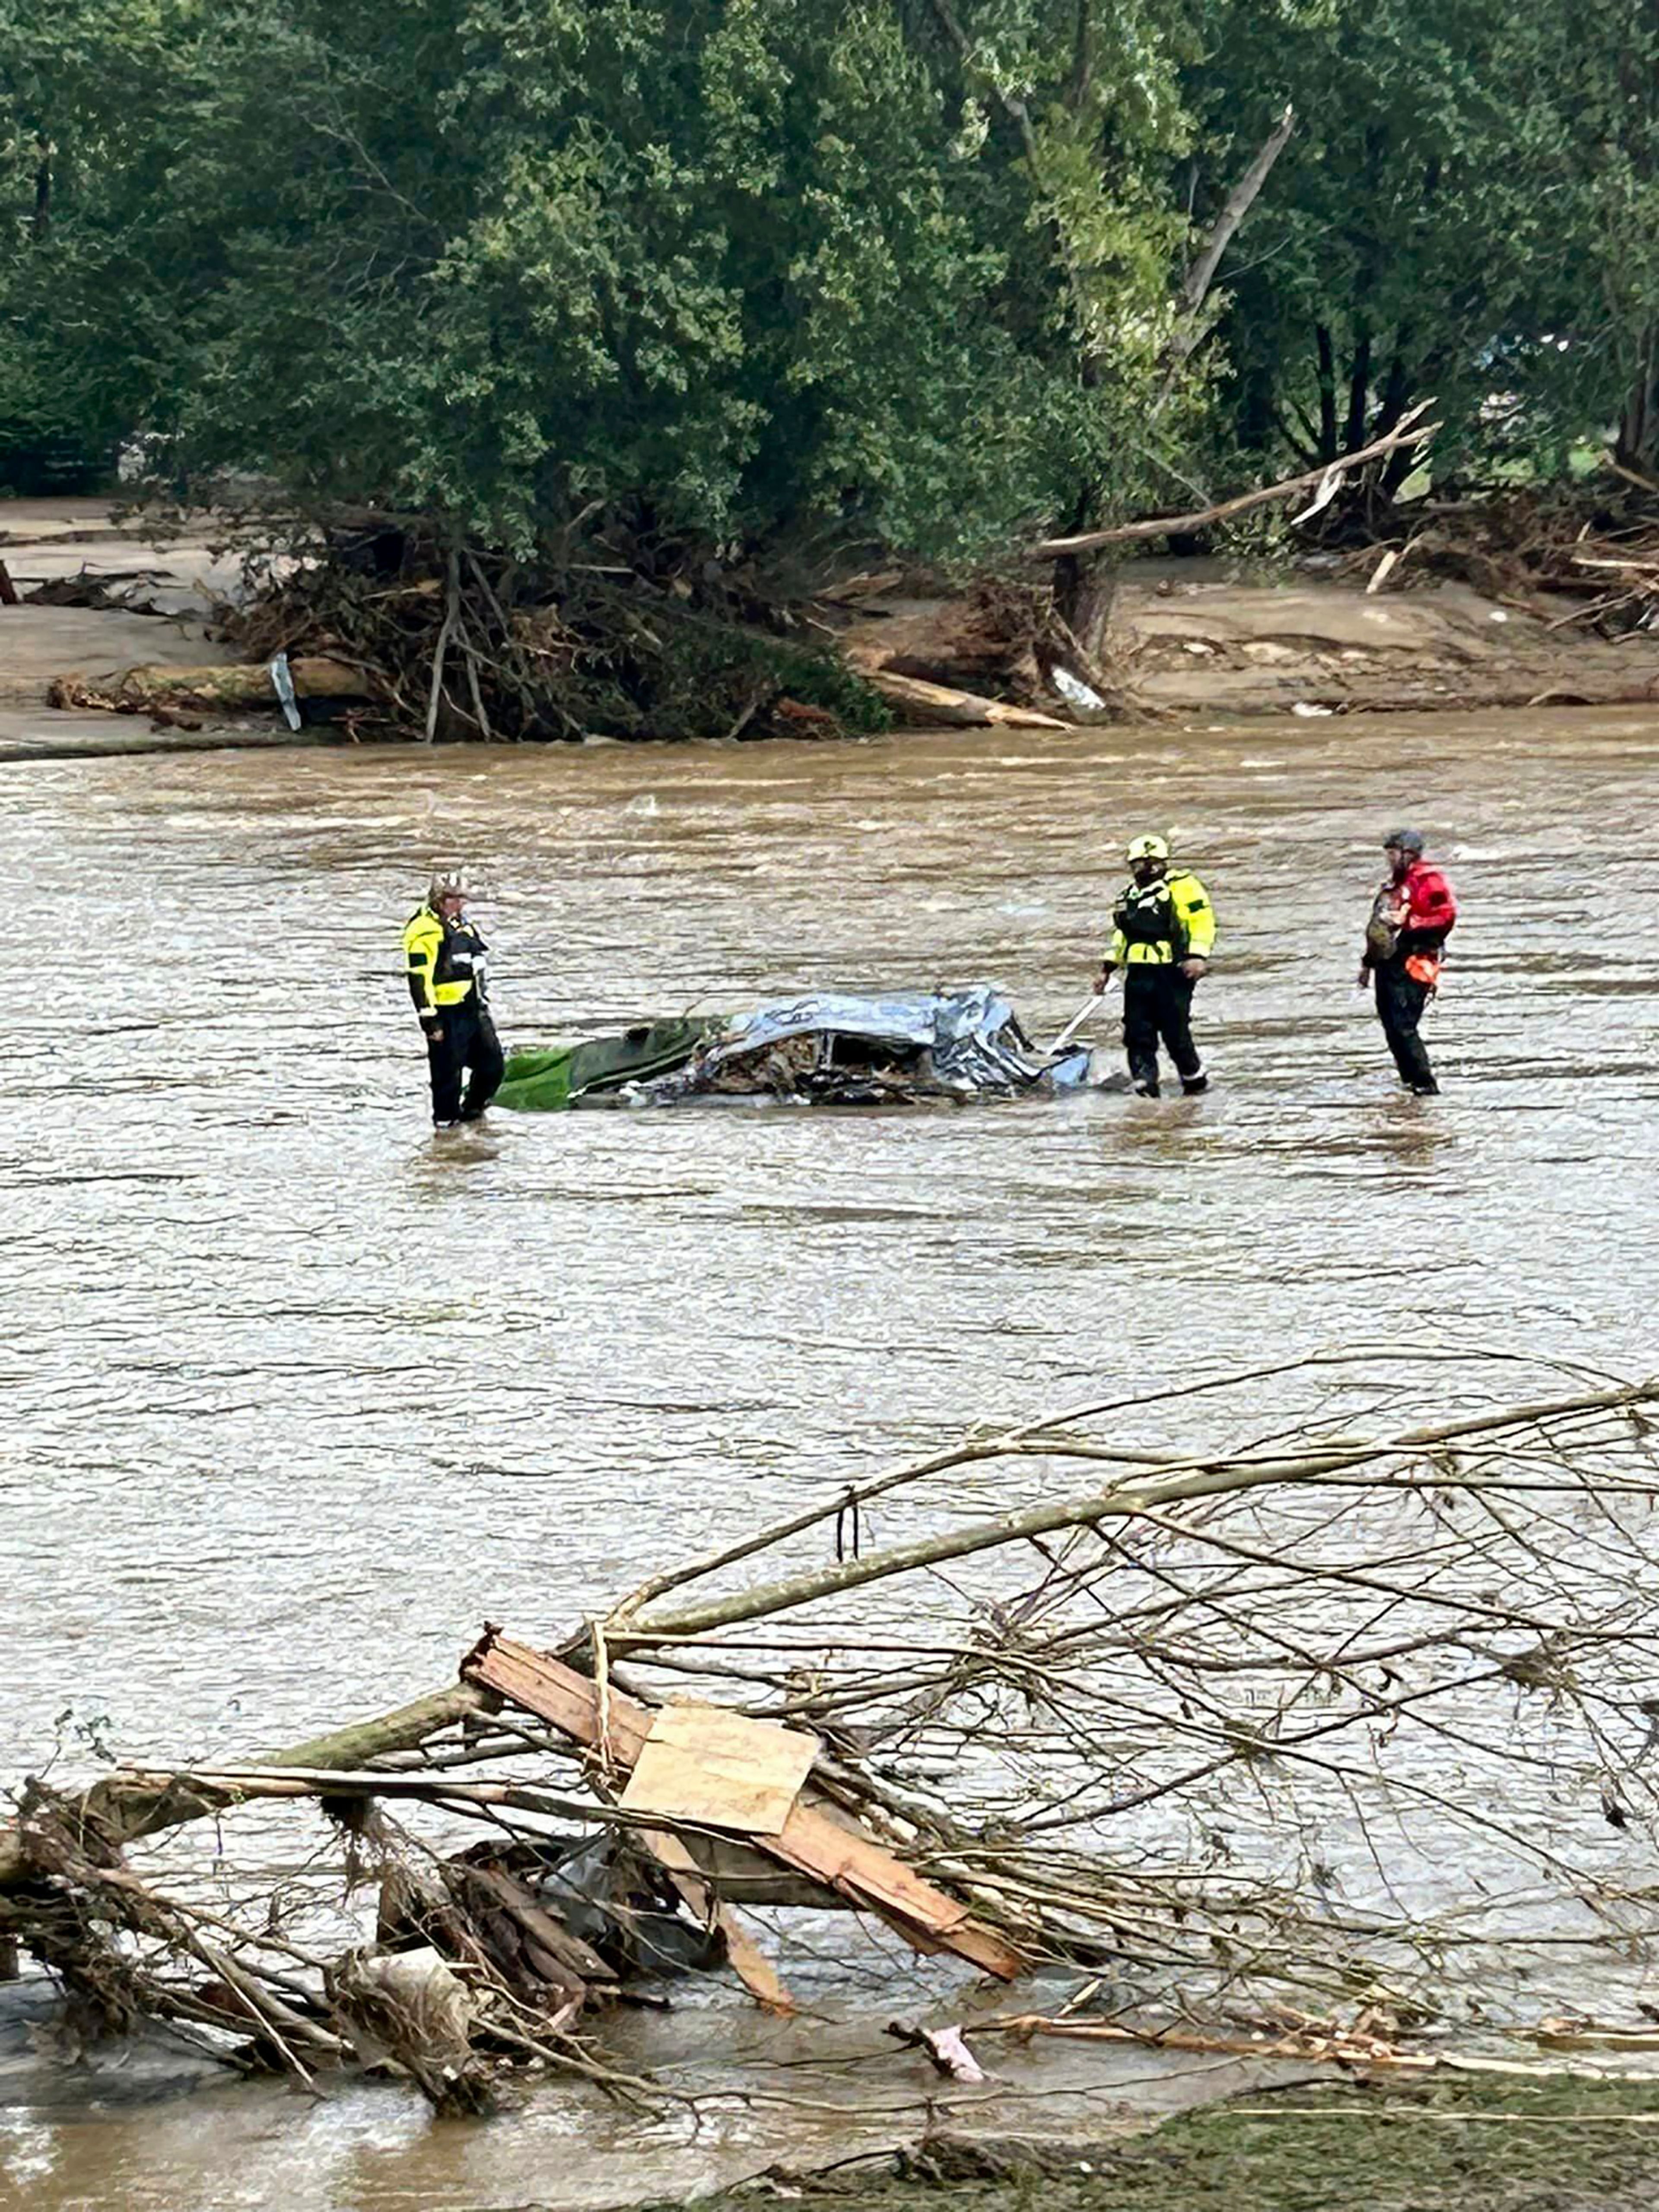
(750, 268)
(1467, 209)
(89, 342)
(1358, 291)
(1582, 89)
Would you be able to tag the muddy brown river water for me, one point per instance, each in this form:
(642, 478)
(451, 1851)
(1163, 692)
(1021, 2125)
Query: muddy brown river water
(298, 1394)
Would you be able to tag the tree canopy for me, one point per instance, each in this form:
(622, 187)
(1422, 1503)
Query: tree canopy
(902, 271)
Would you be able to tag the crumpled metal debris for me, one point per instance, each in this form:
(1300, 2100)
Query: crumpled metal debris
(826, 1048)
(839, 1048)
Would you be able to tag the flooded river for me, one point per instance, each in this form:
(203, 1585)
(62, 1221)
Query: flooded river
(297, 1393)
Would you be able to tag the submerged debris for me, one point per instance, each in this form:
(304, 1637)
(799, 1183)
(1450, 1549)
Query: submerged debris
(822, 1048)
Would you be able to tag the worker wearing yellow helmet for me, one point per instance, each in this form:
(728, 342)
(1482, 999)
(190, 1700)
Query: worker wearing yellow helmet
(1163, 934)
(446, 962)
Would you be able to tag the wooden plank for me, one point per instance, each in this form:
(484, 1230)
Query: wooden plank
(749, 1962)
(871, 1877)
(547, 1688)
(812, 1841)
(718, 1768)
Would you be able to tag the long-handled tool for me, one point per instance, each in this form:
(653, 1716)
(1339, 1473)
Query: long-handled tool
(1097, 1000)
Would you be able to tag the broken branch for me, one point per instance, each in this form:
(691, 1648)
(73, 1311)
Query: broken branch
(1411, 432)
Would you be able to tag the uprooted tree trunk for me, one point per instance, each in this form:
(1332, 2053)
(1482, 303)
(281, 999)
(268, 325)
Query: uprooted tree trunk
(987, 655)
(1085, 587)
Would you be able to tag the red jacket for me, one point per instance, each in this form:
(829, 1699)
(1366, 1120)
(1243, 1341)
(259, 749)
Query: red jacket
(1410, 916)
(1430, 907)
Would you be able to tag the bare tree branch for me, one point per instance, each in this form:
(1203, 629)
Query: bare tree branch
(1411, 432)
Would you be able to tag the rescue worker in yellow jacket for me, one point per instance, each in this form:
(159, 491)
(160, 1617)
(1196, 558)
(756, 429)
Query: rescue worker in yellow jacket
(445, 959)
(1163, 934)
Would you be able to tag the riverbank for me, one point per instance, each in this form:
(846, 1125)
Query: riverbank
(1558, 2145)
(66, 542)
(1195, 642)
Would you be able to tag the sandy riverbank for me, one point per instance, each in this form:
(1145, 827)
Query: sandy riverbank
(1198, 642)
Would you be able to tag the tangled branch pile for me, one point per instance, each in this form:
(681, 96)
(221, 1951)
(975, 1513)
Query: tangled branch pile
(626, 637)
(630, 635)
(1347, 1721)
(1535, 550)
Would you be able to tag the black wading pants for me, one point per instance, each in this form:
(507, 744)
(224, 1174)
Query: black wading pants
(1400, 1003)
(468, 1045)
(1158, 1002)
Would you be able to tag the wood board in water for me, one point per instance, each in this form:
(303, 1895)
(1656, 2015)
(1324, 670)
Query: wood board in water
(719, 1770)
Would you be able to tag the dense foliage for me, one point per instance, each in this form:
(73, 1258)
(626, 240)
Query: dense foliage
(1469, 208)
(806, 271)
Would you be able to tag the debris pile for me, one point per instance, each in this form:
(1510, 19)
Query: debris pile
(1217, 1726)
(822, 1048)
(1000, 652)
(1588, 562)
(129, 591)
(623, 635)
(393, 628)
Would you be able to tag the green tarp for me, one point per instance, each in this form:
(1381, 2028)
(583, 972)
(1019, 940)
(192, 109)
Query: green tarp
(547, 1081)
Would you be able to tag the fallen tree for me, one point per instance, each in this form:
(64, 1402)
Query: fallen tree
(222, 687)
(1115, 1746)
(1324, 482)
(407, 630)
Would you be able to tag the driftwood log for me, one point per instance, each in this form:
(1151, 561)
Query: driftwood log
(227, 686)
(931, 706)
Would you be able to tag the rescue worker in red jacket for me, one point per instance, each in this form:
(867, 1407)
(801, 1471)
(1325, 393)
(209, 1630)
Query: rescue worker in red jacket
(1412, 917)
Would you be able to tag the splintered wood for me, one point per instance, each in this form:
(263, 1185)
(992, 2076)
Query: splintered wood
(813, 1839)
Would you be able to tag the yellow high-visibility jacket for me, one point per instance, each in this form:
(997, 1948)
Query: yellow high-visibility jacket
(444, 965)
(1169, 920)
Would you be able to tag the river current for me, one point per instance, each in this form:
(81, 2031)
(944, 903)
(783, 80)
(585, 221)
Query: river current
(298, 1394)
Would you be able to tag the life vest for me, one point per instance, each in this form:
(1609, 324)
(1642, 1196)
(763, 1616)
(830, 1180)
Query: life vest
(1410, 918)
(446, 962)
(1158, 923)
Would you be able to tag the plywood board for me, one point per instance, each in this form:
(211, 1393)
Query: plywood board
(718, 1770)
